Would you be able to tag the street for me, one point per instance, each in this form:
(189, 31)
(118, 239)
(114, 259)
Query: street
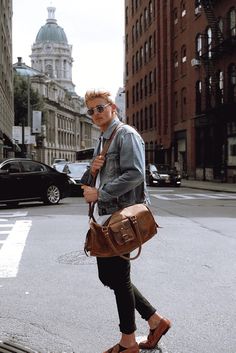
(51, 298)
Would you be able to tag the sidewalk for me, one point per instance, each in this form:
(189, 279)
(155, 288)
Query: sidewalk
(208, 185)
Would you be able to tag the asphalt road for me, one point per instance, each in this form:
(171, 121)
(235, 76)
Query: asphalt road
(52, 301)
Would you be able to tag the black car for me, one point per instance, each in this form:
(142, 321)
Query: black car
(23, 179)
(75, 170)
(162, 174)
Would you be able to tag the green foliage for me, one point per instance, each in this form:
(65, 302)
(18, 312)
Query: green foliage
(21, 99)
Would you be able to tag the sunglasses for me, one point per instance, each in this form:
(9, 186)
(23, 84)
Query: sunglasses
(99, 108)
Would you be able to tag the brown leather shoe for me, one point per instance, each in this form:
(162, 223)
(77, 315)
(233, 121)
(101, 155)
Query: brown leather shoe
(116, 349)
(156, 334)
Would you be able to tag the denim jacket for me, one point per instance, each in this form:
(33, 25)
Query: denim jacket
(122, 177)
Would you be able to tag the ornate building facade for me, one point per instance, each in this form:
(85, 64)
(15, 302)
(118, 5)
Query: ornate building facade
(6, 79)
(65, 127)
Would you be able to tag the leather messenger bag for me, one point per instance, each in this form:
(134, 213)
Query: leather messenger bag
(126, 230)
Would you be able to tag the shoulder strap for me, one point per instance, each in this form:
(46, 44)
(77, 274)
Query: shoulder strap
(103, 153)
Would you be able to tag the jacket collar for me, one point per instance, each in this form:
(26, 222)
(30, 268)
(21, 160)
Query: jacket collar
(107, 134)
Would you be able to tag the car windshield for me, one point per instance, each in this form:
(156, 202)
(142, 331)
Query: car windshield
(160, 168)
(75, 169)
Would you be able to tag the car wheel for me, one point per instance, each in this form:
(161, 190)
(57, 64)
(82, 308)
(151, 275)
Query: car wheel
(52, 195)
(12, 204)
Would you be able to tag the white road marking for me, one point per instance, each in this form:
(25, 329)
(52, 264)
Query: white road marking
(12, 248)
(13, 214)
(172, 197)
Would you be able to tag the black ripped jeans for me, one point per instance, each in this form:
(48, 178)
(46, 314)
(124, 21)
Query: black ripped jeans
(114, 272)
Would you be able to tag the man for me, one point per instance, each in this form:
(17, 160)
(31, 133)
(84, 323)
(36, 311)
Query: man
(120, 182)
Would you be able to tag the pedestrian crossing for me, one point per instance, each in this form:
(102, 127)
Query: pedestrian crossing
(169, 196)
(13, 235)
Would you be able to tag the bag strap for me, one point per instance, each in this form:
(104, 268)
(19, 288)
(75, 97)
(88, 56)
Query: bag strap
(133, 220)
(103, 153)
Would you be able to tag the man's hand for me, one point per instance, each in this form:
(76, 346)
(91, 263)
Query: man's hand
(90, 194)
(97, 164)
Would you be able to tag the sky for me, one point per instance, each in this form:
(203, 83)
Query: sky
(94, 28)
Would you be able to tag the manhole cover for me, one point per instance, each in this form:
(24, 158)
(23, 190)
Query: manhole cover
(9, 347)
(76, 258)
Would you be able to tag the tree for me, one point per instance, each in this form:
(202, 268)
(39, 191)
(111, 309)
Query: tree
(21, 99)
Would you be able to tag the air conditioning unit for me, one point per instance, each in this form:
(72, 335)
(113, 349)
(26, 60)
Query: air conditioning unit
(195, 62)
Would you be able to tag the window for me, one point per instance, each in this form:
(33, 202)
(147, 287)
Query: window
(133, 64)
(137, 92)
(141, 56)
(127, 99)
(141, 88)
(145, 86)
(176, 64)
(137, 61)
(175, 15)
(127, 69)
(145, 52)
(133, 94)
(137, 121)
(137, 30)
(150, 82)
(220, 88)
(145, 118)
(151, 116)
(133, 35)
(183, 104)
(209, 42)
(232, 83)
(141, 24)
(150, 11)
(141, 119)
(198, 46)
(220, 30)
(183, 60)
(126, 15)
(150, 47)
(208, 92)
(232, 22)
(126, 43)
(198, 97)
(198, 7)
(145, 18)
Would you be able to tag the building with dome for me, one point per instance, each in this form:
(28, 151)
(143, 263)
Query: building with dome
(51, 53)
(65, 126)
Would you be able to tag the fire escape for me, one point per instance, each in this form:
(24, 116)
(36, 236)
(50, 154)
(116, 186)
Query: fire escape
(215, 112)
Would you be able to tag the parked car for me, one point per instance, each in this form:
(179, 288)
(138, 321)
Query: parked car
(58, 160)
(75, 171)
(23, 180)
(162, 174)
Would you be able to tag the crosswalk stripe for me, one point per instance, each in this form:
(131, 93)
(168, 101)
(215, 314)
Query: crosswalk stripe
(173, 197)
(12, 248)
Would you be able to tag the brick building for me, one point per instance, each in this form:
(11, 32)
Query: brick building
(180, 81)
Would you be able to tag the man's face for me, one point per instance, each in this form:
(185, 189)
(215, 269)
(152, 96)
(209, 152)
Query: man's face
(104, 118)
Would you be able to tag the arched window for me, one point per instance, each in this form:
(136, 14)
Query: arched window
(137, 92)
(150, 82)
(137, 60)
(145, 118)
(176, 64)
(141, 88)
(133, 34)
(137, 121)
(137, 30)
(208, 90)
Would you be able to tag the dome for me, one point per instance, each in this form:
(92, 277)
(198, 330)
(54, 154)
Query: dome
(51, 32)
